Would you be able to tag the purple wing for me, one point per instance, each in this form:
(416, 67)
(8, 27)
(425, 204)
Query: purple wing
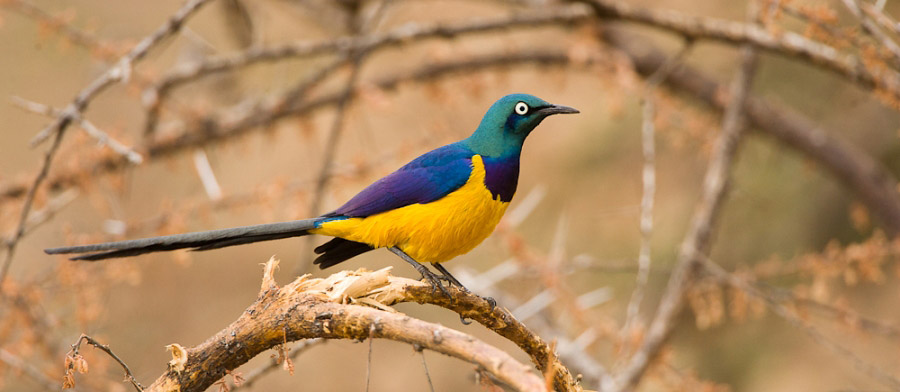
(424, 180)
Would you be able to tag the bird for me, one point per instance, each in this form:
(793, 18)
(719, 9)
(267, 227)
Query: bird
(436, 207)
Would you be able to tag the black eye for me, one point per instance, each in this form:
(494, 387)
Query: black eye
(521, 108)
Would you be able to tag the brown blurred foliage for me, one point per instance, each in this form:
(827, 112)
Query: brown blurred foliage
(271, 110)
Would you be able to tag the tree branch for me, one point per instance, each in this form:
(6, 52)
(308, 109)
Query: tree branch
(791, 317)
(213, 129)
(697, 240)
(73, 111)
(648, 179)
(789, 44)
(120, 71)
(869, 179)
(363, 44)
(333, 308)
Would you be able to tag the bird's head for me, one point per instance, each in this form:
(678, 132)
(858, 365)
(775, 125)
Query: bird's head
(509, 121)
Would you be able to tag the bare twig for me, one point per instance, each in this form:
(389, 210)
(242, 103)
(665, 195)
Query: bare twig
(43, 215)
(72, 112)
(101, 137)
(207, 176)
(128, 374)
(255, 374)
(72, 34)
(845, 316)
(369, 357)
(648, 177)
(817, 336)
(121, 71)
(873, 30)
(28, 369)
(427, 374)
(877, 13)
(696, 242)
(26, 207)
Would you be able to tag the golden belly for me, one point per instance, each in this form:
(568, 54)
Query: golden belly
(433, 232)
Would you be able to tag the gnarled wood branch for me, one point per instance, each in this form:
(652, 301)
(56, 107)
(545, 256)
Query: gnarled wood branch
(354, 305)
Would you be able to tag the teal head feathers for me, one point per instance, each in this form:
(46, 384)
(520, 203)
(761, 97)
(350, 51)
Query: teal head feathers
(508, 122)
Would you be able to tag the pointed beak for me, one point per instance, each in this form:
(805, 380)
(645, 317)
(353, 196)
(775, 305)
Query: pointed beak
(557, 109)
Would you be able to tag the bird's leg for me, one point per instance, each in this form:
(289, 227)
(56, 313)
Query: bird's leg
(453, 280)
(426, 274)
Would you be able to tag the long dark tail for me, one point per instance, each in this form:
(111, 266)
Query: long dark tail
(201, 240)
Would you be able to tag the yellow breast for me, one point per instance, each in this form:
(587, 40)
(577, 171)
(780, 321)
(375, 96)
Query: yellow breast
(434, 232)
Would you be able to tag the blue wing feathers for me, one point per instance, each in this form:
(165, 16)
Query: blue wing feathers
(426, 179)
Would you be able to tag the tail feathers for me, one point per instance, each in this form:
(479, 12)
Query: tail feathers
(338, 250)
(201, 240)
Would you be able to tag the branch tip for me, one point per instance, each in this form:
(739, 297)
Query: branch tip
(268, 281)
(179, 357)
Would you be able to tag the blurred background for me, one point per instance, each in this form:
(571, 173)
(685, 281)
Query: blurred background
(248, 145)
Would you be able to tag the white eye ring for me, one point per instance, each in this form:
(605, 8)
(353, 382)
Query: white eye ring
(521, 108)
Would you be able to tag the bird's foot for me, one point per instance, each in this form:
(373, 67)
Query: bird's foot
(435, 281)
(448, 280)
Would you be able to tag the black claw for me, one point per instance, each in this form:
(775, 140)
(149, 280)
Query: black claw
(464, 320)
(492, 302)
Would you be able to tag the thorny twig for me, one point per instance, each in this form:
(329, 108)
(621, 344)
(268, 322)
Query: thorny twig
(128, 374)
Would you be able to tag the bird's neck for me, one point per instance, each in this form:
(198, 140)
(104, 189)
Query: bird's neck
(494, 144)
